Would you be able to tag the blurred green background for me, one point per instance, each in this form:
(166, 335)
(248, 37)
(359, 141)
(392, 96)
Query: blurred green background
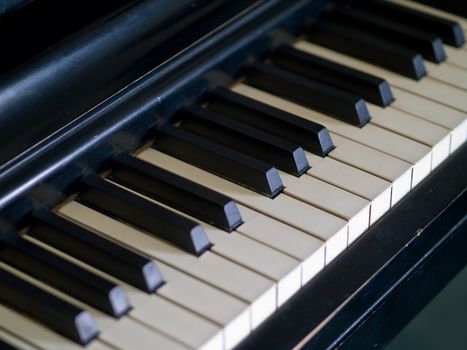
(442, 324)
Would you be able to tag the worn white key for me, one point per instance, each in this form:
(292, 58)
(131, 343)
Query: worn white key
(179, 323)
(234, 316)
(129, 335)
(456, 56)
(447, 117)
(432, 135)
(284, 208)
(353, 180)
(380, 164)
(385, 141)
(433, 11)
(448, 73)
(427, 87)
(306, 248)
(228, 312)
(30, 331)
(16, 342)
(346, 205)
(282, 269)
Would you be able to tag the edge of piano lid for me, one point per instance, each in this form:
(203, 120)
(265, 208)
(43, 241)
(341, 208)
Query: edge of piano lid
(116, 115)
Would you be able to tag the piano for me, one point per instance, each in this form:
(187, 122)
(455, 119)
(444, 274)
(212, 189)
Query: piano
(221, 174)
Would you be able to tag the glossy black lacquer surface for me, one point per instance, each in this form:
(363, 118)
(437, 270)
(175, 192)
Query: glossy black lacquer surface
(176, 191)
(310, 135)
(64, 318)
(371, 88)
(95, 250)
(154, 219)
(450, 31)
(120, 45)
(309, 92)
(365, 275)
(283, 154)
(63, 275)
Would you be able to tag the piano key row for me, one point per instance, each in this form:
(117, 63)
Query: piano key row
(117, 233)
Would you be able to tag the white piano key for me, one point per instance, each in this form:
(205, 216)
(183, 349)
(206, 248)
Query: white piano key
(367, 159)
(433, 11)
(353, 180)
(427, 87)
(449, 118)
(232, 316)
(346, 205)
(284, 208)
(456, 56)
(385, 141)
(15, 342)
(30, 331)
(306, 248)
(280, 268)
(228, 312)
(448, 73)
(437, 137)
(180, 324)
(129, 335)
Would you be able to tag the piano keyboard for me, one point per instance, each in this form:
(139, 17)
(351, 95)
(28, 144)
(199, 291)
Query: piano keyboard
(196, 238)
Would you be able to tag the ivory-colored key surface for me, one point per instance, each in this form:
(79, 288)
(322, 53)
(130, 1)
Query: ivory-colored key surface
(433, 11)
(251, 287)
(353, 180)
(398, 172)
(284, 208)
(448, 73)
(447, 117)
(31, 331)
(282, 269)
(385, 141)
(180, 324)
(456, 56)
(15, 342)
(130, 335)
(432, 135)
(306, 248)
(427, 87)
(348, 206)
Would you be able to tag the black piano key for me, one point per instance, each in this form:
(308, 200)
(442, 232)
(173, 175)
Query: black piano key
(311, 93)
(121, 204)
(450, 32)
(352, 42)
(176, 191)
(6, 346)
(457, 7)
(63, 275)
(370, 87)
(218, 159)
(95, 250)
(377, 26)
(58, 315)
(310, 135)
(283, 154)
